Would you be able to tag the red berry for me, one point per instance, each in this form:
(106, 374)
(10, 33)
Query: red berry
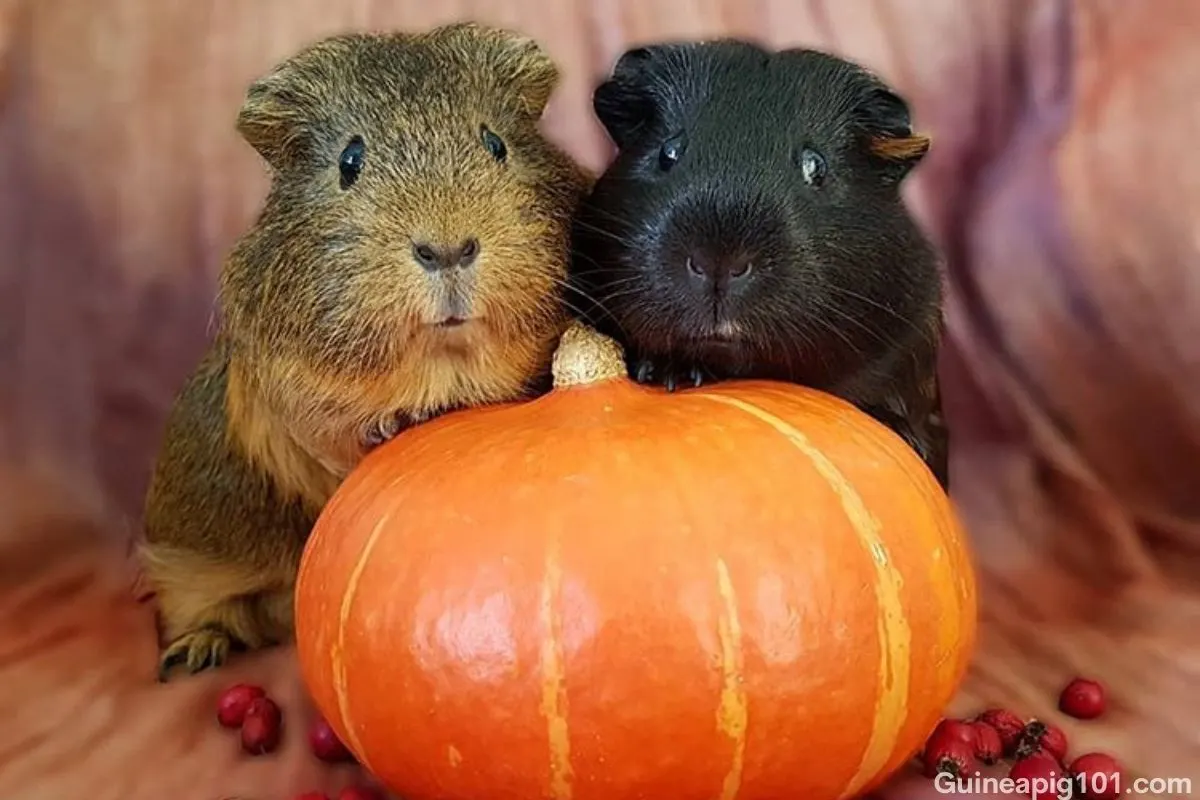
(311, 796)
(325, 744)
(1082, 699)
(261, 727)
(949, 755)
(1007, 724)
(360, 793)
(1040, 773)
(988, 747)
(1099, 775)
(954, 729)
(233, 702)
(1042, 737)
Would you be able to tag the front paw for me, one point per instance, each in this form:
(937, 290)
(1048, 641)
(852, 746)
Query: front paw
(385, 429)
(198, 650)
(662, 372)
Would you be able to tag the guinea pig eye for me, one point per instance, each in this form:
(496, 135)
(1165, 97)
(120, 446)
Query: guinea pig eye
(494, 144)
(351, 162)
(671, 151)
(812, 167)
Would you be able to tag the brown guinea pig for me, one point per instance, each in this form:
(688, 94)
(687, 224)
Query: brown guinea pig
(408, 261)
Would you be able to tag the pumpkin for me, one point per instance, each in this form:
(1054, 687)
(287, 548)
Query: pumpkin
(751, 591)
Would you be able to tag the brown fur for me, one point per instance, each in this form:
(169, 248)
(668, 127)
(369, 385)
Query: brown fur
(901, 148)
(327, 320)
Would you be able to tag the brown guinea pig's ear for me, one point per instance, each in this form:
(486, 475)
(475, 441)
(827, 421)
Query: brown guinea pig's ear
(624, 102)
(270, 117)
(522, 65)
(890, 139)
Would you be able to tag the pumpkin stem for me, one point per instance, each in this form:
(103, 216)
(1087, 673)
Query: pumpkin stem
(586, 356)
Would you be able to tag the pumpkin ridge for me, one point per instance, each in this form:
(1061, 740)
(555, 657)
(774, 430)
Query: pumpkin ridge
(941, 566)
(554, 693)
(895, 635)
(733, 713)
(337, 652)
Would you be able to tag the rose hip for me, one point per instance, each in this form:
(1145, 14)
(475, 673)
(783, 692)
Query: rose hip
(325, 744)
(1040, 768)
(1098, 775)
(953, 729)
(1007, 724)
(948, 755)
(261, 727)
(1042, 737)
(988, 747)
(1082, 699)
(233, 702)
(360, 793)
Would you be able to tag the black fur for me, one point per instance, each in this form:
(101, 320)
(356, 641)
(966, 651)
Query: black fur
(842, 291)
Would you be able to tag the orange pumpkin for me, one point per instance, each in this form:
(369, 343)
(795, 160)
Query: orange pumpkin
(751, 591)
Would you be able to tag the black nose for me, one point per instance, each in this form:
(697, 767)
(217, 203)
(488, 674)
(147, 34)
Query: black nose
(437, 257)
(727, 270)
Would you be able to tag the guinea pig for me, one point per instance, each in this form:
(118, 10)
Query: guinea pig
(409, 260)
(751, 225)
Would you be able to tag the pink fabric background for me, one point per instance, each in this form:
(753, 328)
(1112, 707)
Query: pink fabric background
(1062, 186)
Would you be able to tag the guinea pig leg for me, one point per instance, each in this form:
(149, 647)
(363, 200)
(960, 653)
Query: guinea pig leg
(662, 372)
(209, 609)
(222, 540)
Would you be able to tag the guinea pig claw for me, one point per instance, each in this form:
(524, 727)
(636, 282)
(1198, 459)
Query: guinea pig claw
(383, 430)
(646, 371)
(197, 651)
(678, 380)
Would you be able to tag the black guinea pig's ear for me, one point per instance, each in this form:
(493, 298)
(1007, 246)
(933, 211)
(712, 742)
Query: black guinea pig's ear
(887, 123)
(624, 102)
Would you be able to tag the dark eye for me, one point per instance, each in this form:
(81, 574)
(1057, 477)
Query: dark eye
(494, 144)
(351, 162)
(812, 167)
(671, 152)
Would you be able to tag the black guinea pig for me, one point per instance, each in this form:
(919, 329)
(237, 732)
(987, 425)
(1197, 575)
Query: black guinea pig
(752, 226)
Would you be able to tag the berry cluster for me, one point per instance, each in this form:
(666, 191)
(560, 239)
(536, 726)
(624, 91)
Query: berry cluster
(248, 708)
(1037, 749)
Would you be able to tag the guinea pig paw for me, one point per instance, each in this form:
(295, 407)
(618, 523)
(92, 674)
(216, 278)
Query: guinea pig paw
(198, 650)
(670, 376)
(385, 429)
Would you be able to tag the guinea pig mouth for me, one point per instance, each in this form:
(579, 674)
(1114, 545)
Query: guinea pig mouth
(723, 332)
(451, 323)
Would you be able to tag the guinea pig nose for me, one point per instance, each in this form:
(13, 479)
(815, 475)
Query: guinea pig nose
(435, 257)
(468, 251)
(727, 269)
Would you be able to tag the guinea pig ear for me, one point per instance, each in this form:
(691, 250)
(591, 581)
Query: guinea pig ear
(271, 115)
(520, 62)
(623, 103)
(533, 73)
(891, 142)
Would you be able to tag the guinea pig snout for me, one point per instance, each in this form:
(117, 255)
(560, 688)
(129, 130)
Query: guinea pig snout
(438, 257)
(719, 268)
(720, 244)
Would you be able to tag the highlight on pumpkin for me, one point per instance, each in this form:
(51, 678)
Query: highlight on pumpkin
(623, 598)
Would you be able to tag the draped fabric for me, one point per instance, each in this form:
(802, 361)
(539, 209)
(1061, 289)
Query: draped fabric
(1062, 187)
